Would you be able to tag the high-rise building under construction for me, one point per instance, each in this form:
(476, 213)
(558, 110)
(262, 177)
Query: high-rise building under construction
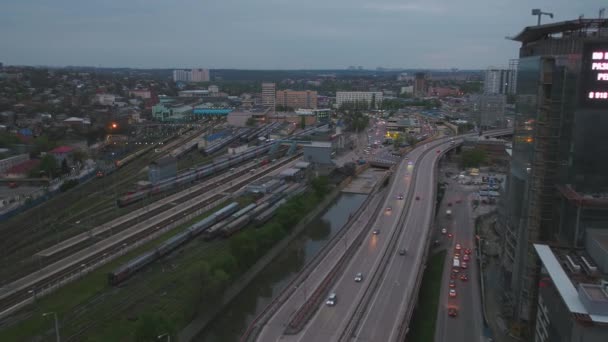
(558, 181)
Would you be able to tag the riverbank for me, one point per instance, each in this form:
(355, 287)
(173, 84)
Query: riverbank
(196, 326)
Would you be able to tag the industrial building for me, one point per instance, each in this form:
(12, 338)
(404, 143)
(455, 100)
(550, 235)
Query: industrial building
(572, 296)
(163, 168)
(319, 152)
(558, 177)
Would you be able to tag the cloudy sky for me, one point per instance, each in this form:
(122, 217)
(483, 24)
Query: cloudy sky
(271, 34)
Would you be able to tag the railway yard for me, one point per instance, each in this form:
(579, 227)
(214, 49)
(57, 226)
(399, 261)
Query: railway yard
(105, 235)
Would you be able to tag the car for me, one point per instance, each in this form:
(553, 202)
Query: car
(444, 231)
(458, 247)
(452, 283)
(467, 251)
(359, 277)
(436, 243)
(465, 257)
(331, 299)
(376, 231)
(410, 163)
(438, 151)
(449, 204)
(464, 277)
(389, 209)
(400, 196)
(456, 256)
(417, 198)
(402, 251)
(452, 275)
(455, 270)
(464, 265)
(458, 201)
(452, 292)
(452, 312)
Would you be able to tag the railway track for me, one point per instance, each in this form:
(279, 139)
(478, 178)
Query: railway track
(80, 264)
(17, 241)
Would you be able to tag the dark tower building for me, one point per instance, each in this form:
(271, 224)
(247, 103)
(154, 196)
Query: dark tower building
(558, 181)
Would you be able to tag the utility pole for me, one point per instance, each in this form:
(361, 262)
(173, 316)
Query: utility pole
(58, 339)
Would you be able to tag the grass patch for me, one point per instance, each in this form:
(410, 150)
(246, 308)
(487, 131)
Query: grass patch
(425, 316)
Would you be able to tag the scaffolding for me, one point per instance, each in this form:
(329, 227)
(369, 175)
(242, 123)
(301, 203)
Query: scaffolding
(545, 164)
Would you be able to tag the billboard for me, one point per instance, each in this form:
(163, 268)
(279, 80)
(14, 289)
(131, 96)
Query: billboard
(594, 76)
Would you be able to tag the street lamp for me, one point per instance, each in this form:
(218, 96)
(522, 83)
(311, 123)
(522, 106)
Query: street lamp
(56, 324)
(163, 335)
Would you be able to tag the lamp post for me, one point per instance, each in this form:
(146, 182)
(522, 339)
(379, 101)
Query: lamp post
(56, 324)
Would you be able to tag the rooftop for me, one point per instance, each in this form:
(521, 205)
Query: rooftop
(62, 149)
(585, 302)
(578, 27)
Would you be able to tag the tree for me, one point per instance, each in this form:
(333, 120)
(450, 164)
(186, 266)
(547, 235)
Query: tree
(80, 156)
(473, 158)
(48, 165)
(152, 325)
(65, 169)
(320, 186)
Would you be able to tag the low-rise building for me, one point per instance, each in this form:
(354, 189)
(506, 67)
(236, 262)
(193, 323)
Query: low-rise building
(572, 293)
(62, 153)
(166, 112)
(319, 152)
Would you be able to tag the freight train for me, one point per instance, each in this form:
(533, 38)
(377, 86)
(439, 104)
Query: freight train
(193, 175)
(131, 267)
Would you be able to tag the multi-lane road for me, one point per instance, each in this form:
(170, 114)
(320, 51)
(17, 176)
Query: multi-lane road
(466, 326)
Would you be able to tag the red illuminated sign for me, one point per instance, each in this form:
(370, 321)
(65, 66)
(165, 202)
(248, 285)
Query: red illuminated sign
(594, 76)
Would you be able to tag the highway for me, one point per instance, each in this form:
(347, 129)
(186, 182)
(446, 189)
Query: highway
(374, 309)
(467, 325)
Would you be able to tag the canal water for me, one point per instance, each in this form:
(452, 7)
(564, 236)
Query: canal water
(234, 320)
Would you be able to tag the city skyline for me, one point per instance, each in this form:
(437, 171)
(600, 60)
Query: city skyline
(271, 34)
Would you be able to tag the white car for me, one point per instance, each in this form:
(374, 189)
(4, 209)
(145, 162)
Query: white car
(359, 277)
(331, 300)
(444, 231)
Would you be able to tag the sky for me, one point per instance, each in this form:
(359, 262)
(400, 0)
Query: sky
(272, 34)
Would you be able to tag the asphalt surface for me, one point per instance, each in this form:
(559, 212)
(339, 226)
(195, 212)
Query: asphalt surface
(467, 325)
(398, 287)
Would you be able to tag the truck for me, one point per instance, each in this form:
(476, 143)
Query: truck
(456, 262)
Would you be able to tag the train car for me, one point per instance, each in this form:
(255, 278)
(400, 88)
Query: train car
(281, 188)
(243, 211)
(201, 225)
(214, 231)
(125, 271)
(174, 242)
(235, 226)
(192, 176)
(268, 213)
(226, 211)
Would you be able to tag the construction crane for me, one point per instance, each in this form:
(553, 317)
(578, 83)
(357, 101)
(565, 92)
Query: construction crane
(539, 13)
